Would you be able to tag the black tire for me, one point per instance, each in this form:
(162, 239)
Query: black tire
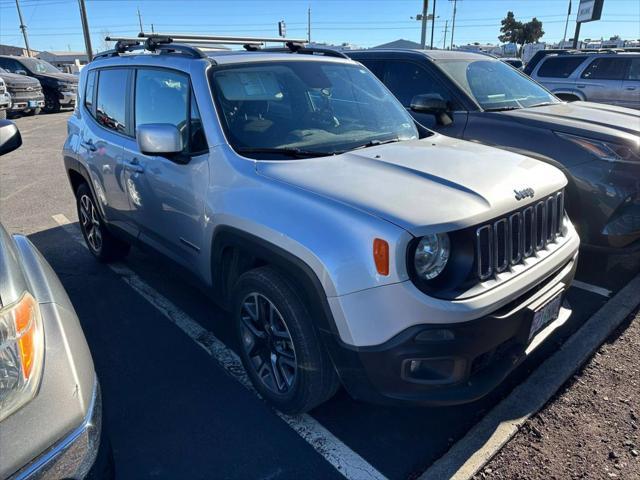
(314, 378)
(51, 102)
(33, 112)
(101, 243)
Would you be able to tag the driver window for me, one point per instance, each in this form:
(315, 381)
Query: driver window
(408, 79)
(162, 96)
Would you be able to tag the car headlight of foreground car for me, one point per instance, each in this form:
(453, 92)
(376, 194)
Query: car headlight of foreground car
(431, 255)
(21, 353)
(608, 151)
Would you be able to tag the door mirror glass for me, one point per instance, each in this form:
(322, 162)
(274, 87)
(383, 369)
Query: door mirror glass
(429, 103)
(21, 72)
(159, 139)
(10, 138)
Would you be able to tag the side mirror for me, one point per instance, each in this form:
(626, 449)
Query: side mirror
(21, 72)
(10, 138)
(159, 139)
(434, 104)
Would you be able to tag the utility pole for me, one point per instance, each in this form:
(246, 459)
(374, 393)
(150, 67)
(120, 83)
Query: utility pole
(152, 30)
(23, 27)
(576, 35)
(85, 30)
(425, 16)
(453, 26)
(309, 25)
(566, 25)
(433, 23)
(446, 27)
(140, 20)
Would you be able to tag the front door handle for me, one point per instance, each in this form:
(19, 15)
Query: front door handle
(630, 88)
(581, 86)
(89, 145)
(134, 166)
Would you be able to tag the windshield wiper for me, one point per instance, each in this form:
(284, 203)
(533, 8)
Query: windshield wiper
(501, 109)
(289, 152)
(541, 104)
(374, 143)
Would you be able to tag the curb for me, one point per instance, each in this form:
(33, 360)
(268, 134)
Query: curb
(473, 451)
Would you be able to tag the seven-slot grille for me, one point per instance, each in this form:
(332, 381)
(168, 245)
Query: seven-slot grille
(510, 240)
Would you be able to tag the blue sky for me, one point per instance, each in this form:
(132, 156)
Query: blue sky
(55, 24)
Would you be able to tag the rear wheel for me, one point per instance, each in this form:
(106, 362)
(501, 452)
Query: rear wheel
(101, 243)
(279, 345)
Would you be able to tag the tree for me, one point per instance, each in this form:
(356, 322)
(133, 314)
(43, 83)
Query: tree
(511, 29)
(533, 31)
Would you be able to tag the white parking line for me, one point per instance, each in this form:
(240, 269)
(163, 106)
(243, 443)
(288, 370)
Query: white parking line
(591, 288)
(346, 461)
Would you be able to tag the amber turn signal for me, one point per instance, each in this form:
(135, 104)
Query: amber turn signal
(381, 256)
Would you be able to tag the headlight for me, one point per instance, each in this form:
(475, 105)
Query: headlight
(611, 152)
(431, 255)
(21, 354)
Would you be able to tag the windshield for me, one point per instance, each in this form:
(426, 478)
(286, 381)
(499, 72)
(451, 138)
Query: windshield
(38, 66)
(278, 109)
(496, 85)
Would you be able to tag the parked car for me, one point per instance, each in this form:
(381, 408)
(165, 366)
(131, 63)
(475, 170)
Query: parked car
(5, 99)
(25, 92)
(296, 188)
(50, 405)
(603, 77)
(59, 88)
(477, 98)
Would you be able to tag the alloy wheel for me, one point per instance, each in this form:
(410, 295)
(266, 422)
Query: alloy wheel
(268, 343)
(90, 223)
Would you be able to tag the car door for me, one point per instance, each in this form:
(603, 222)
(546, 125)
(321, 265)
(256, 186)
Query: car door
(630, 92)
(407, 78)
(601, 80)
(167, 194)
(101, 138)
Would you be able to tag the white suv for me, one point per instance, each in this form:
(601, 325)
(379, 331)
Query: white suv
(350, 244)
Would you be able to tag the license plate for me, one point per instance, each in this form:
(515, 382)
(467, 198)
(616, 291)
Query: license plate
(545, 315)
(33, 103)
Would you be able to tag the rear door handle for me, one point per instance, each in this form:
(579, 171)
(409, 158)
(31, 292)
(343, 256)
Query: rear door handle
(581, 86)
(134, 166)
(89, 145)
(630, 88)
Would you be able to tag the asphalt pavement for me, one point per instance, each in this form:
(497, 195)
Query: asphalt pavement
(172, 407)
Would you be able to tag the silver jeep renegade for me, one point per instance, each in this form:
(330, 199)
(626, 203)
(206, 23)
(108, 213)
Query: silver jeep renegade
(351, 245)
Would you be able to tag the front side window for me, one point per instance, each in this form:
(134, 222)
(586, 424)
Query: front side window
(559, 67)
(10, 65)
(496, 85)
(634, 69)
(317, 107)
(164, 96)
(111, 99)
(35, 65)
(407, 79)
(607, 68)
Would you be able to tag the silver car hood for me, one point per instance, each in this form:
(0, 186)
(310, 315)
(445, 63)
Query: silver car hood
(582, 118)
(435, 184)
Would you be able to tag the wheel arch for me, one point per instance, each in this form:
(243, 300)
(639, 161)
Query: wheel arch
(564, 94)
(235, 251)
(78, 174)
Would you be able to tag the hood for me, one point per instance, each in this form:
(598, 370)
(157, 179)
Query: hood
(65, 77)
(13, 79)
(588, 119)
(435, 184)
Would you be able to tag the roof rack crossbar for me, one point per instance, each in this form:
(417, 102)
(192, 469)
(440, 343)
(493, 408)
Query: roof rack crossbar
(223, 39)
(161, 43)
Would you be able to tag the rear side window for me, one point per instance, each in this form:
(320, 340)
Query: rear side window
(607, 68)
(164, 96)
(560, 67)
(634, 69)
(89, 91)
(111, 100)
(407, 79)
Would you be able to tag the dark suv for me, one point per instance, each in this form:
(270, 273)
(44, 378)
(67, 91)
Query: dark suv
(59, 88)
(26, 93)
(479, 98)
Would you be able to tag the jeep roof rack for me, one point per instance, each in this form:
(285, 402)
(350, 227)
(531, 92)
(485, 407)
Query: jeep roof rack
(155, 44)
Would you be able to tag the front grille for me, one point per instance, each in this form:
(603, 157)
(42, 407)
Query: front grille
(25, 89)
(510, 240)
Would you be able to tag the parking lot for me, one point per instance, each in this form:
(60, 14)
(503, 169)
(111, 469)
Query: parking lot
(177, 403)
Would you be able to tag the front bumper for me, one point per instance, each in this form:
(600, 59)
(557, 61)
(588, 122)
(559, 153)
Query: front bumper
(73, 455)
(5, 100)
(24, 102)
(474, 357)
(67, 98)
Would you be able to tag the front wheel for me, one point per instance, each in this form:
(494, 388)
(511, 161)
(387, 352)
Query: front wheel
(33, 112)
(51, 102)
(279, 345)
(101, 243)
